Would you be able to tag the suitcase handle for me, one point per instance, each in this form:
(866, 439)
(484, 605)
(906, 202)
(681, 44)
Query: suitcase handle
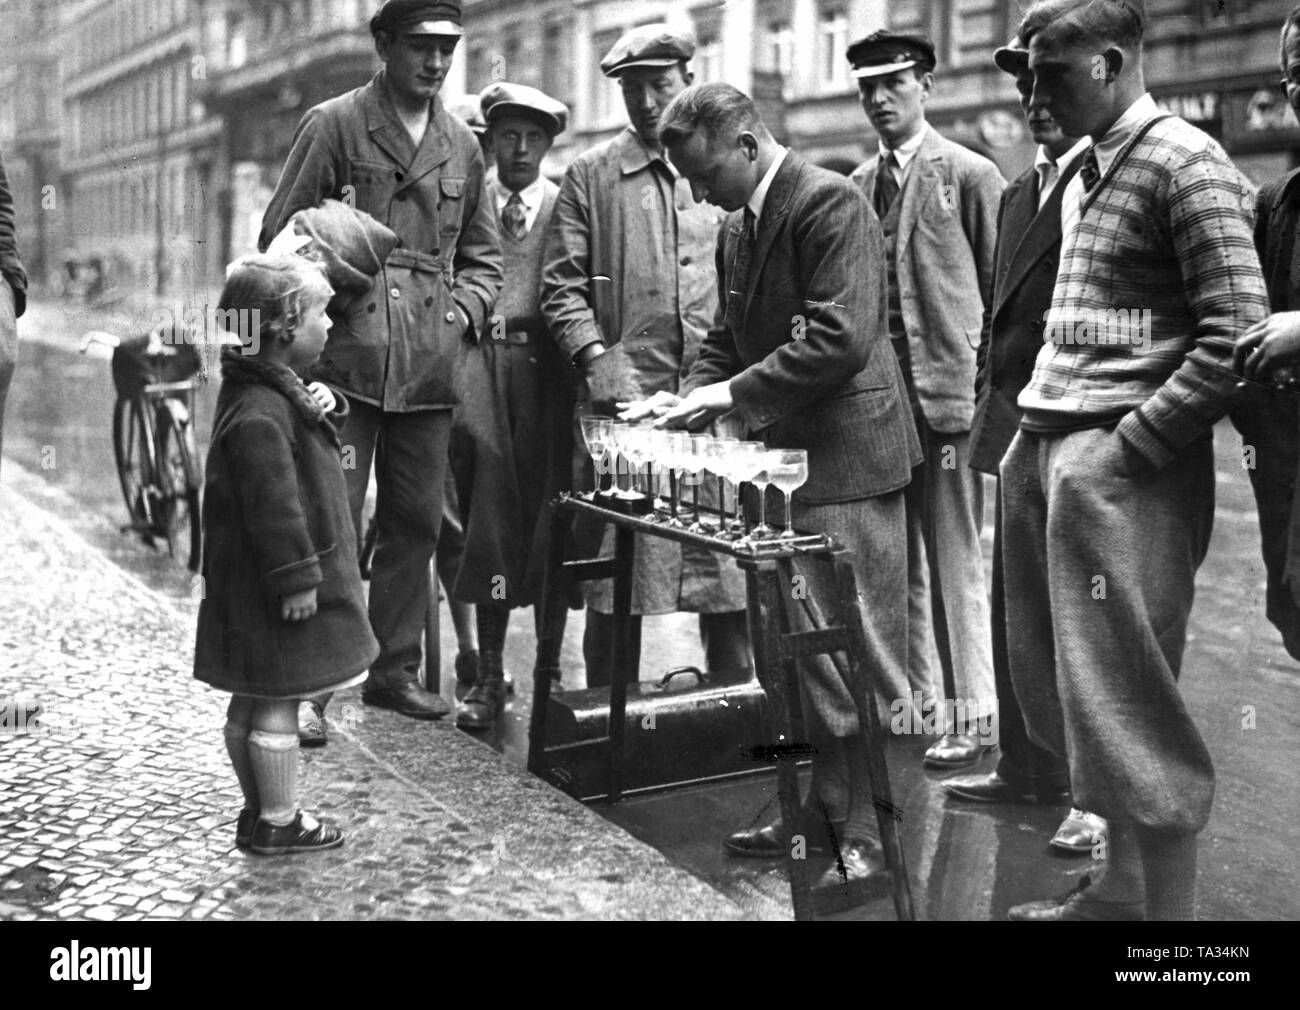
(663, 682)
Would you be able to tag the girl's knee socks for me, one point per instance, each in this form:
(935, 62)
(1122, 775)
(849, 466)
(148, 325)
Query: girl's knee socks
(274, 758)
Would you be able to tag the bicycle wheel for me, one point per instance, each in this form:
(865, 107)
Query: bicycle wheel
(178, 485)
(132, 451)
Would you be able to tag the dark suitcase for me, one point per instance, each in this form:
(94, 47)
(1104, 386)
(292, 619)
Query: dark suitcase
(677, 733)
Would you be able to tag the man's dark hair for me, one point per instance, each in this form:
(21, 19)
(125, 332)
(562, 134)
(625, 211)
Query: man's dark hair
(1292, 21)
(1086, 21)
(718, 108)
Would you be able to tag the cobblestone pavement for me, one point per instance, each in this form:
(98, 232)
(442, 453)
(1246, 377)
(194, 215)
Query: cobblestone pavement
(117, 802)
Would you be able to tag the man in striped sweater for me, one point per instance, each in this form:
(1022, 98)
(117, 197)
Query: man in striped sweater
(1108, 487)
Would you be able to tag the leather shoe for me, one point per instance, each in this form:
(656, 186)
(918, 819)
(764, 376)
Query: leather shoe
(244, 827)
(303, 834)
(955, 750)
(771, 841)
(408, 699)
(311, 724)
(993, 788)
(1079, 832)
(857, 876)
(480, 707)
(467, 666)
(1075, 906)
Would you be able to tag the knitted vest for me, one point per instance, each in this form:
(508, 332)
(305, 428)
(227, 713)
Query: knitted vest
(522, 266)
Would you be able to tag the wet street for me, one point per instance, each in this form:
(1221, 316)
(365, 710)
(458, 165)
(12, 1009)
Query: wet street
(124, 805)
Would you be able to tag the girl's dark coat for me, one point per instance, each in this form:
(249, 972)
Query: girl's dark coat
(276, 521)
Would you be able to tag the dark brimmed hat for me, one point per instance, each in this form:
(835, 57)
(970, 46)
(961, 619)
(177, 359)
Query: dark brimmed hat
(1013, 57)
(886, 52)
(418, 17)
(502, 99)
(647, 46)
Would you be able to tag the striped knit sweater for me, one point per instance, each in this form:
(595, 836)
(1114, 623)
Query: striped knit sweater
(1154, 284)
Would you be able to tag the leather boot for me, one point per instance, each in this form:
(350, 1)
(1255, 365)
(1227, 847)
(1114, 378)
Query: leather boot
(483, 701)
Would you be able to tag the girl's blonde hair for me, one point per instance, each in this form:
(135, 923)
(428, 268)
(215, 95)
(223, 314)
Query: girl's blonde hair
(266, 292)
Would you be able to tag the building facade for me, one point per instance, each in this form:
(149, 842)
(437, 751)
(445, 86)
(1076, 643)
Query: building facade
(31, 127)
(137, 145)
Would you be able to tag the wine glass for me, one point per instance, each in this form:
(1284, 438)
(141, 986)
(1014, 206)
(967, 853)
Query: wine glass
(636, 443)
(698, 458)
(742, 461)
(761, 478)
(672, 453)
(715, 458)
(655, 465)
(596, 433)
(617, 443)
(788, 469)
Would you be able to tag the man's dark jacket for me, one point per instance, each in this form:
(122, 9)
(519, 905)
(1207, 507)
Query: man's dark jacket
(806, 344)
(400, 348)
(1269, 420)
(11, 267)
(1026, 257)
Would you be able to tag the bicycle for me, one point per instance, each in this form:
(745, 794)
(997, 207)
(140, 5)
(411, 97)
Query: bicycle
(153, 439)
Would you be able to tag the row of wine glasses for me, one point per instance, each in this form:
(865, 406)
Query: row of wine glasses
(651, 454)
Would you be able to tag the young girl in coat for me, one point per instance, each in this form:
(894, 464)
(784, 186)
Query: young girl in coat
(283, 615)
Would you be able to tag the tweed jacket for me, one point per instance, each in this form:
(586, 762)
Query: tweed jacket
(404, 350)
(806, 344)
(1156, 281)
(1028, 252)
(947, 232)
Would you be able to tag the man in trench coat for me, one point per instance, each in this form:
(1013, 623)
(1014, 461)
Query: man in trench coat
(390, 149)
(628, 291)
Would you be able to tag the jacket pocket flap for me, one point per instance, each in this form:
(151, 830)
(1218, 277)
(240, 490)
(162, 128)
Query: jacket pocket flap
(452, 188)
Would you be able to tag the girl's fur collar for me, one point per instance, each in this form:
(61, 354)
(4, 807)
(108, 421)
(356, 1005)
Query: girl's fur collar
(244, 368)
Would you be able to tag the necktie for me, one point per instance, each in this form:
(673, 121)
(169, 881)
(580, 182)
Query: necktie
(1047, 174)
(512, 218)
(886, 184)
(1089, 170)
(744, 255)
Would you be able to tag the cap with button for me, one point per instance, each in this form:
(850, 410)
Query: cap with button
(1011, 58)
(647, 46)
(502, 99)
(886, 52)
(418, 17)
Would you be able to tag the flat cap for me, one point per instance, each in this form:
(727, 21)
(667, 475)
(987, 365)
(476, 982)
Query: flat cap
(418, 17)
(885, 52)
(502, 99)
(1011, 58)
(647, 46)
(466, 109)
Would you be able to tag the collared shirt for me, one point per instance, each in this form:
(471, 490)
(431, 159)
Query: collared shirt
(1049, 171)
(530, 196)
(903, 153)
(759, 196)
(1106, 150)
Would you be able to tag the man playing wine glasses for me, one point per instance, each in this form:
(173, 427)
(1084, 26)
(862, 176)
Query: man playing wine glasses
(798, 352)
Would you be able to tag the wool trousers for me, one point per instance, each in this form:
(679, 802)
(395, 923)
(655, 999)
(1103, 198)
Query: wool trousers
(1100, 563)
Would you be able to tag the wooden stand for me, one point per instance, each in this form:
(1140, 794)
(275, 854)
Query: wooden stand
(777, 650)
